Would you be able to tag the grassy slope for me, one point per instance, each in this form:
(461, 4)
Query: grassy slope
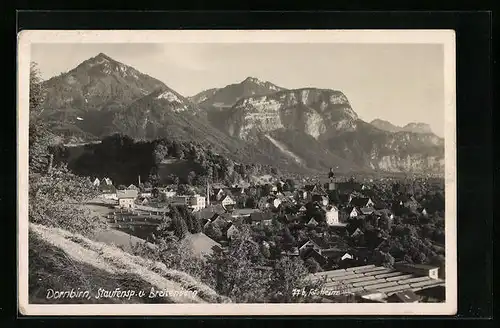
(61, 260)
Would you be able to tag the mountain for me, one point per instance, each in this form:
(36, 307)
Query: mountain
(202, 96)
(422, 128)
(307, 129)
(318, 127)
(385, 125)
(96, 88)
(417, 128)
(230, 94)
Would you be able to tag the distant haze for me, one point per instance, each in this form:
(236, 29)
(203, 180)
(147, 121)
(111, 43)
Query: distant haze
(400, 83)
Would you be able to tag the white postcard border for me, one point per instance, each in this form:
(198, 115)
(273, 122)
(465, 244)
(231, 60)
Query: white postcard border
(444, 37)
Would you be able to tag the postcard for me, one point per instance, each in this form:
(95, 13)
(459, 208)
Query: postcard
(237, 172)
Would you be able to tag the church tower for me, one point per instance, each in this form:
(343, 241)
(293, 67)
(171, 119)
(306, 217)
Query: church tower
(331, 183)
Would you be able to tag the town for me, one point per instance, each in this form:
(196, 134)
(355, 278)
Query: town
(357, 235)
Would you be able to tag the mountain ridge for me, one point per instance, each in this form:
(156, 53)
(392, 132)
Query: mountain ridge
(257, 120)
(415, 127)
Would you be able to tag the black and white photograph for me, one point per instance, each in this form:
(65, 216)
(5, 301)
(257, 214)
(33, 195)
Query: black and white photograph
(237, 172)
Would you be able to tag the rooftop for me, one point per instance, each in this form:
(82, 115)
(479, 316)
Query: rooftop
(128, 193)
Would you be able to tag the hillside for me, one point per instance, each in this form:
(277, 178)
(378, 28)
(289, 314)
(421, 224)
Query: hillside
(61, 260)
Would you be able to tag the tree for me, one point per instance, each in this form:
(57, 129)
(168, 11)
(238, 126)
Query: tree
(214, 232)
(178, 223)
(236, 273)
(312, 265)
(191, 177)
(183, 189)
(288, 274)
(54, 192)
(384, 259)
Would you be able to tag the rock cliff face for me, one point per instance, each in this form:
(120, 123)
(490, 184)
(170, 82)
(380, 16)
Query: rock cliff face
(327, 117)
(315, 112)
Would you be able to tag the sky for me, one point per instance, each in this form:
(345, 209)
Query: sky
(400, 83)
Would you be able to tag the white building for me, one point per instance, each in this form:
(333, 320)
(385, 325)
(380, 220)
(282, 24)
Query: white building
(354, 213)
(197, 202)
(332, 215)
(126, 198)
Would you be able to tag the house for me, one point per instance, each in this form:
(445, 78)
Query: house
(146, 193)
(357, 233)
(332, 215)
(132, 187)
(408, 202)
(218, 195)
(294, 251)
(330, 186)
(126, 198)
(423, 211)
(243, 213)
(312, 222)
(275, 202)
(228, 201)
(258, 218)
(108, 192)
(406, 296)
(108, 182)
(197, 202)
(313, 253)
(366, 210)
(302, 194)
(384, 212)
(418, 269)
(263, 203)
(310, 189)
(336, 254)
(354, 212)
(361, 202)
(200, 245)
(167, 193)
(293, 219)
(179, 201)
(96, 182)
(348, 187)
(314, 243)
(237, 191)
(232, 231)
(321, 199)
(302, 209)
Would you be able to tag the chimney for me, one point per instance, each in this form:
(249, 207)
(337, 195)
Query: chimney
(208, 193)
(139, 178)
